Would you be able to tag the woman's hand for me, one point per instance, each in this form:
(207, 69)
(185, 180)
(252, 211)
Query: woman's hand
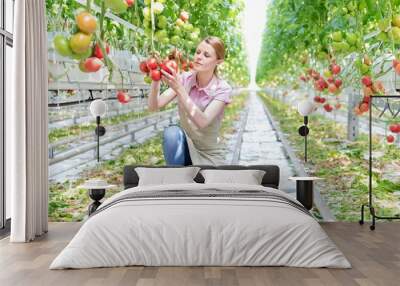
(173, 81)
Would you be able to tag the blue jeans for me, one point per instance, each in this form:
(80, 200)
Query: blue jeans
(175, 147)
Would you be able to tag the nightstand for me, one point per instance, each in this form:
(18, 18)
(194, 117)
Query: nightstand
(97, 190)
(304, 190)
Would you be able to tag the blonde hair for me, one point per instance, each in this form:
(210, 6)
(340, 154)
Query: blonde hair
(218, 46)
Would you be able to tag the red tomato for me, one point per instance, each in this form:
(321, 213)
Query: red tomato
(332, 88)
(123, 97)
(331, 80)
(364, 107)
(390, 138)
(97, 51)
(335, 69)
(155, 75)
(152, 63)
(328, 107)
(129, 2)
(168, 65)
(184, 16)
(366, 80)
(93, 64)
(143, 67)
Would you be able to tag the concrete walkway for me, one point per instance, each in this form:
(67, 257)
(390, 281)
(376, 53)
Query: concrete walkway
(260, 144)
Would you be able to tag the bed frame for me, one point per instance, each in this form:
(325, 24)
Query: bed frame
(270, 179)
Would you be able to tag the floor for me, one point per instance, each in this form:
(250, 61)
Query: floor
(260, 144)
(374, 255)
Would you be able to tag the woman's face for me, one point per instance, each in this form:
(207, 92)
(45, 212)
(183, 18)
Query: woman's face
(205, 58)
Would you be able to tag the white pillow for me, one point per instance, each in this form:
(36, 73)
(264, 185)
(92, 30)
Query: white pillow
(248, 177)
(166, 176)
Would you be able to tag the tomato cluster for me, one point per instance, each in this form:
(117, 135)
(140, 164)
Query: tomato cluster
(79, 45)
(344, 43)
(390, 29)
(394, 128)
(370, 87)
(328, 83)
(152, 68)
(153, 65)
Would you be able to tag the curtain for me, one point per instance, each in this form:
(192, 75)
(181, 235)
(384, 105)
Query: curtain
(26, 124)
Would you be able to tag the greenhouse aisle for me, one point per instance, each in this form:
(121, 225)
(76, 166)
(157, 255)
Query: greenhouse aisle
(260, 144)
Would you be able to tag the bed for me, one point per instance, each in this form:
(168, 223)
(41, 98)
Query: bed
(201, 224)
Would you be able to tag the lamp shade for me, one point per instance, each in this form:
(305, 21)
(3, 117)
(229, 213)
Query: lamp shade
(98, 107)
(305, 107)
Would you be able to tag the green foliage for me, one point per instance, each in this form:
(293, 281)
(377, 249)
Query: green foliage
(309, 33)
(209, 18)
(333, 159)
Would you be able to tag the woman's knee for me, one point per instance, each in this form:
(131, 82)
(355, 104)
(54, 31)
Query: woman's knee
(174, 134)
(175, 146)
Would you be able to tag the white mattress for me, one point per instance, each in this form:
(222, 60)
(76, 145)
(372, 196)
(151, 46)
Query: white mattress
(183, 231)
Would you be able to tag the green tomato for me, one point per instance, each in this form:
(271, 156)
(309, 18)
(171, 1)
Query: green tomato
(162, 22)
(358, 63)
(117, 6)
(147, 79)
(364, 69)
(188, 27)
(177, 31)
(344, 46)
(83, 56)
(80, 42)
(179, 22)
(384, 25)
(147, 32)
(395, 32)
(322, 55)
(146, 23)
(175, 40)
(382, 36)
(351, 38)
(327, 73)
(146, 13)
(353, 49)
(194, 36)
(160, 34)
(158, 8)
(62, 46)
(165, 41)
(336, 47)
(337, 36)
(362, 5)
(396, 20)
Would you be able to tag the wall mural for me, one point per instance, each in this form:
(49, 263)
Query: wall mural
(328, 89)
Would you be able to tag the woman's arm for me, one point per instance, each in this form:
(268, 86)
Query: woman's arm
(156, 101)
(201, 118)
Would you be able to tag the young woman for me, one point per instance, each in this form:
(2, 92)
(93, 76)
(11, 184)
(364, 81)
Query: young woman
(202, 97)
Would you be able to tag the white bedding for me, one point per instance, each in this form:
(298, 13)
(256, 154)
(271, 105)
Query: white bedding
(182, 231)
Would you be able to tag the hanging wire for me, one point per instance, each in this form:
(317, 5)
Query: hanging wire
(153, 27)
